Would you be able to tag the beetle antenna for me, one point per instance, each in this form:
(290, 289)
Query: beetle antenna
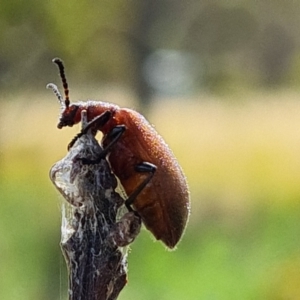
(62, 74)
(55, 90)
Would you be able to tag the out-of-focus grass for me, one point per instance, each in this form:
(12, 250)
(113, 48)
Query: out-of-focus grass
(242, 160)
(237, 152)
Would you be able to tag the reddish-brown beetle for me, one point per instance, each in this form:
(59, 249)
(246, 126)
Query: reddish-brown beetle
(140, 158)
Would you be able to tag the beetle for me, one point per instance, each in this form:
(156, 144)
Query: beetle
(156, 186)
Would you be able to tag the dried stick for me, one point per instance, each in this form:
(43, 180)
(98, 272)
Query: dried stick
(92, 236)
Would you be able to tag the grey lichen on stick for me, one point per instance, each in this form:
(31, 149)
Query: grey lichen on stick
(93, 234)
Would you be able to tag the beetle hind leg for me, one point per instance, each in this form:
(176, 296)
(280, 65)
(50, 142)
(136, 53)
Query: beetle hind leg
(144, 167)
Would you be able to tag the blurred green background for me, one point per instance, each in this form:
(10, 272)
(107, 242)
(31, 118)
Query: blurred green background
(220, 81)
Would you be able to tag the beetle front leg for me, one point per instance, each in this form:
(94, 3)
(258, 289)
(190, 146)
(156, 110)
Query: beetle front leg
(114, 135)
(144, 167)
(97, 122)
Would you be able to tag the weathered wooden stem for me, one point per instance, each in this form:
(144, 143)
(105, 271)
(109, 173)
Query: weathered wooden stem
(92, 236)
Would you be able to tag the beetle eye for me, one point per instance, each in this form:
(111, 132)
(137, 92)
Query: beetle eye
(68, 116)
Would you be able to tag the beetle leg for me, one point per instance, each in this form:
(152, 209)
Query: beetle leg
(143, 167)
(97, 121)
(114, 135)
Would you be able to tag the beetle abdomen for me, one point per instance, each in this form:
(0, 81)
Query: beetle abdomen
(164, 203)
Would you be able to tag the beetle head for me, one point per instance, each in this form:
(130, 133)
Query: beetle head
(70, 116)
